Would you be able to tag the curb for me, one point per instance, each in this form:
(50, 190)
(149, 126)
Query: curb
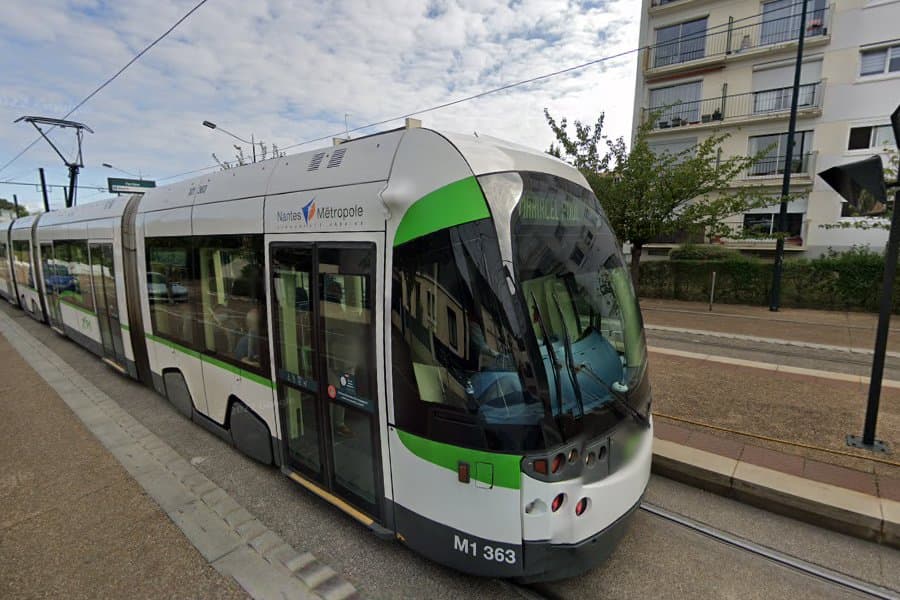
(765, 340)
(228, 537)
(822, 504)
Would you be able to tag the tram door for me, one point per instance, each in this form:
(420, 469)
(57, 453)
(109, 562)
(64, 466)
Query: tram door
(107, 303)
(324, 321)
(53, 275)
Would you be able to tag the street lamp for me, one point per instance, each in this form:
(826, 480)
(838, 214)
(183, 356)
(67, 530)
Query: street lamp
(139, 176)
(252, 142)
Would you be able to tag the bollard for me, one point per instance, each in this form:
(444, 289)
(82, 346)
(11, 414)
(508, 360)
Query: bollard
(712, 291)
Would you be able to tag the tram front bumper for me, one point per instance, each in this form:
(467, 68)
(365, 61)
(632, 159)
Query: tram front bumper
(545, 561)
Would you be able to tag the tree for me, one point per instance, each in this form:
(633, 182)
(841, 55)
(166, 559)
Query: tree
(7, 205)
(648, 194)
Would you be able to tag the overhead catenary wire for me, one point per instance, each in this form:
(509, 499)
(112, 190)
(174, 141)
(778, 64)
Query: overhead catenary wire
(714, 30)
(99, 88)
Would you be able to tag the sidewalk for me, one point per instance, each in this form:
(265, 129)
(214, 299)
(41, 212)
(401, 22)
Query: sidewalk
(833, 328)
(97, 505)
(74, 523)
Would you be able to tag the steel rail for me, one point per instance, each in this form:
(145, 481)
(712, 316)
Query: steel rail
(792, 562)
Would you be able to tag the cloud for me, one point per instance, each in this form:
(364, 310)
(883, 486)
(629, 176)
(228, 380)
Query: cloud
(289, 70)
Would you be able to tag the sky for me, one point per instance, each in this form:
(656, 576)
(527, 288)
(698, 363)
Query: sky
(292, 70)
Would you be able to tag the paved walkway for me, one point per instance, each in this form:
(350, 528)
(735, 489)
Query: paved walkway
(844, 329)
(74, 523)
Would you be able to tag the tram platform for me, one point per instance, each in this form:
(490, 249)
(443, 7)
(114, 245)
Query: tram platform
(75, 523)
(771, 431)
(97, 506)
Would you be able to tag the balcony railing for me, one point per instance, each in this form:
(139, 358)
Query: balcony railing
(802, 165)
(736, 37)
(760, 104)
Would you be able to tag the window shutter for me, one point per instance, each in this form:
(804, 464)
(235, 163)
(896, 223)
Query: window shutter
(872, 62)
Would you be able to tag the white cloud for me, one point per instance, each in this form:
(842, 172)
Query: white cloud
(288, 70)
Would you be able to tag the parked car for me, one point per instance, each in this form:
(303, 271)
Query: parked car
(59, 279)
(161, 289)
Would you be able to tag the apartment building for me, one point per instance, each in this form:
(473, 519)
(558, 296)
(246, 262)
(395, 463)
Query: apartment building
(728, 66)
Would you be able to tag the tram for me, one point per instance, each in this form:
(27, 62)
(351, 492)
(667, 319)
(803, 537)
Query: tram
(434, 332)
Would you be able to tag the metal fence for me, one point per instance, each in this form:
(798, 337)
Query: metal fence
(773, 166)
(735, 37)
(736, 106)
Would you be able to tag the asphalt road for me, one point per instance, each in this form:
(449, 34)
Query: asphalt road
(657, 559)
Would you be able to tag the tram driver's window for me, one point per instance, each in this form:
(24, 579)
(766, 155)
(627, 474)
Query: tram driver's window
(232, 300)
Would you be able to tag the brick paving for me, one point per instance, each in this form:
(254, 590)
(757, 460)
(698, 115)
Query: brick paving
(867, 483)
(75, 524)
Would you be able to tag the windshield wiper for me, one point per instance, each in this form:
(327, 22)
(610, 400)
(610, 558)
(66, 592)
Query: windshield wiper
(570, 357)
(551, 354)
(619, 399)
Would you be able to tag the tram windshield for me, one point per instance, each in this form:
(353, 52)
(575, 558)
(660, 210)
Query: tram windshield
(495, 348)
(578, 293)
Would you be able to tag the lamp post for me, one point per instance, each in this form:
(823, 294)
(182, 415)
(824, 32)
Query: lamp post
(850, 181)
(139, 175)
(252, 142)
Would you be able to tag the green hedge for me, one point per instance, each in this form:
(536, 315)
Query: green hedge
(847, 281)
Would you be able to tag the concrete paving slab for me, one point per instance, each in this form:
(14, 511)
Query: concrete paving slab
(192, 501)
(711, 471)
(825, 505)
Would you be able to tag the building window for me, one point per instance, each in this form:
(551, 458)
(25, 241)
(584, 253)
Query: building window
(881, 60)
(680, 43)
(233, 312)
(766, 224)
(678, 104)
(871, 136)
(781, 20)
(674, 147)
(775, 147)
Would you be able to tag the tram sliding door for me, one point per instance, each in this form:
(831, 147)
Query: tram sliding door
(54, 277)
(107, 303)
(324, 322)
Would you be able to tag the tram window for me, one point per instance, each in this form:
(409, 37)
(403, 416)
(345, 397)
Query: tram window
(292, 288)
(171, 288)
(22, 263)
(454, 349)
(4, 263)
(233, 301)
(76, 284)
(347, 319)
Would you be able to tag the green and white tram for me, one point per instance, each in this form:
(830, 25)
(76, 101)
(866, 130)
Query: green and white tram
(434, 332)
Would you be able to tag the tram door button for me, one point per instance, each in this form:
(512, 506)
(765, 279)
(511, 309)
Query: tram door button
(463, 472)
(484, 475)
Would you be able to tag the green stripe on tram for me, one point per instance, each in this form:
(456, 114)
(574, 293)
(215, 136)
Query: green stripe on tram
(454, 204)
(265, 381)
(78, 308)
(507, 467)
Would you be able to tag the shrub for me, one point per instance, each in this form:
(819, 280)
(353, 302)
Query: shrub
(848, 280)
(702, 252)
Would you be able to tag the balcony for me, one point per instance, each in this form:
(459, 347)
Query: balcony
(770, 170)
(731, 109)
(737, 39)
